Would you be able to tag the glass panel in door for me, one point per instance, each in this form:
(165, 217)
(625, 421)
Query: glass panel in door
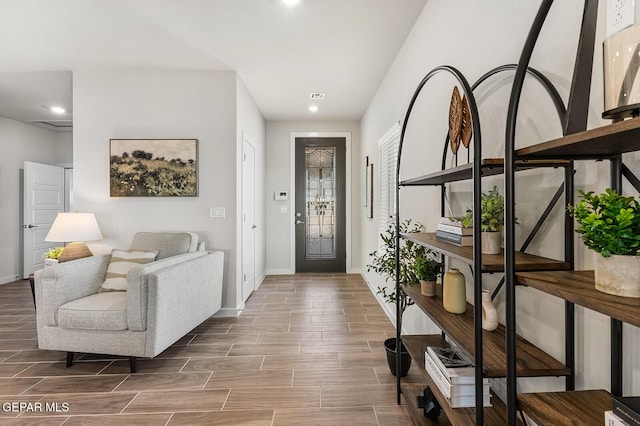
(320, 205)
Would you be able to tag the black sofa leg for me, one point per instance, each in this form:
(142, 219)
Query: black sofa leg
(70, 359)
(132, 363)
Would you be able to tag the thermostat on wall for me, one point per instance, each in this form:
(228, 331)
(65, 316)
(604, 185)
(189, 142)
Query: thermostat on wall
(280, 195)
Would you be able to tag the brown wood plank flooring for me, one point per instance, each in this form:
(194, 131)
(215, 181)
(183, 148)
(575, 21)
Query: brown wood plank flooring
(306, 351)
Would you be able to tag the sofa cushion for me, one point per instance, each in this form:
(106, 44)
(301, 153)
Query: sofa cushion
(100, 311)
(121, 263)
(166, 243)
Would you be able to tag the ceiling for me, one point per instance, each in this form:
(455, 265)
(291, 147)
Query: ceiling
(339, 47)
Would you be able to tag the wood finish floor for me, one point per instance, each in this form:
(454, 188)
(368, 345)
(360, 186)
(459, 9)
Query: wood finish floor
(308, 350)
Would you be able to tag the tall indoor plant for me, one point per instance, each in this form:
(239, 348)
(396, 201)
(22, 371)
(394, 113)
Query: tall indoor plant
(609, 224)
(383, 262)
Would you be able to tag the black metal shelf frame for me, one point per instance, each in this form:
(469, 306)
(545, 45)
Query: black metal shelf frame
(477, 189)
(574, 121)
(566, 188)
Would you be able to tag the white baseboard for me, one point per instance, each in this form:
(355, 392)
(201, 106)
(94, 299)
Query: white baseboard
(279, 272)
(228, 313)
(290, 272)
(388, 309)
(260, 280)
(9, 279)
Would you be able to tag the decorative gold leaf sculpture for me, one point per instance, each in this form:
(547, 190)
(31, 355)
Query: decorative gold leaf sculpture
(467, 130)
(455, 120)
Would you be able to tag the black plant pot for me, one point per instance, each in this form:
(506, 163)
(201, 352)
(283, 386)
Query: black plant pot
(405, 358)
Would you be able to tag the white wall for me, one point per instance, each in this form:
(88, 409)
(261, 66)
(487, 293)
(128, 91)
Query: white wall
(279, 249)
(159, 104)
(64, 142)
(21, 142)
(477, 45)
(252, 127)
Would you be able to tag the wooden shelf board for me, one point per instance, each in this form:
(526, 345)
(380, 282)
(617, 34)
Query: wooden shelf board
(490, 262)
(490, 167)
(566, 408)
(416, 344)
(531, 360)
(579, 287)
(601, 142)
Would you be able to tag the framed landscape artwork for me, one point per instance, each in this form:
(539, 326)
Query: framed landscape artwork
(153, 167)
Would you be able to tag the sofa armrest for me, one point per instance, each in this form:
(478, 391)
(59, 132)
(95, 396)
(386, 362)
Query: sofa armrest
(137, 287)
(64, 282)
(181, 298)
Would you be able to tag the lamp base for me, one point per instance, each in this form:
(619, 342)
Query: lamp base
(73, 251)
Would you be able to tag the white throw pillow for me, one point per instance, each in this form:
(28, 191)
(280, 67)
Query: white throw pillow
(122, 261)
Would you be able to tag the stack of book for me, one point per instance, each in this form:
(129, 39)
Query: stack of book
(452, 231)
(454, 374)
(626, 411)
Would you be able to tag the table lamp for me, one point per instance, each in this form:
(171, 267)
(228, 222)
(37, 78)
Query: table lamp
(74, 228)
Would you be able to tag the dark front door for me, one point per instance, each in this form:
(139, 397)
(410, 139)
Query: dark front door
(320, 205)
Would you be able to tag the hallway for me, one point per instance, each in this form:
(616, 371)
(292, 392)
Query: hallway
(308, 350)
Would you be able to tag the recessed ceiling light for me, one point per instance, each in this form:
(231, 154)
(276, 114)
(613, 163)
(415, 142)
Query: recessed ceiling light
(290, 2)
(313, 108)
(58, 110)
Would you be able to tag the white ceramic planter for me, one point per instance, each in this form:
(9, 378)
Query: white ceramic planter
(491, 242)
(618, 275)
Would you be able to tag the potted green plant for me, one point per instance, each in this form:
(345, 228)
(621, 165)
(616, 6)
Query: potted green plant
(609, 224)
(52, 255)
(427, 268)
(492, 220)
(383, 262)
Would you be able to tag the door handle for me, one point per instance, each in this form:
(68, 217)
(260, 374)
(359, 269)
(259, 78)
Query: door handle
(29, 226)
(254, 226)
(298, 222)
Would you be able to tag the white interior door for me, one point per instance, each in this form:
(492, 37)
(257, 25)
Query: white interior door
(248, 220)
(43, 199)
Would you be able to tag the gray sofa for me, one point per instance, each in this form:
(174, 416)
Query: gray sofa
(165, 299)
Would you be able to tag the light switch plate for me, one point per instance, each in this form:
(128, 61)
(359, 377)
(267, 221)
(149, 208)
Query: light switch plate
(217, 212)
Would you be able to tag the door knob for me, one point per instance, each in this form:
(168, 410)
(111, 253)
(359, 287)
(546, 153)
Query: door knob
(254, 226)
(29, 226)
(298, 222)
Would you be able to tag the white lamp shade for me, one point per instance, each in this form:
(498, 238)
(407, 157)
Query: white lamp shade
(74, 227)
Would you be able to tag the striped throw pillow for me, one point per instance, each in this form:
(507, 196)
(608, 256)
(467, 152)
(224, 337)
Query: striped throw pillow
(121, 263)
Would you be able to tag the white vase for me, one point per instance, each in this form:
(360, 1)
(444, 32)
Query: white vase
(618, 275)
(489, 312)
(491, 242)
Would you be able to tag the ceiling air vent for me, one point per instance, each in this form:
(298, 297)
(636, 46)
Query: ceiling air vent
(316, 96)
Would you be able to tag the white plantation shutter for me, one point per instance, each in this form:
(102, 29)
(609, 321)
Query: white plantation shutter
(388, 159)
